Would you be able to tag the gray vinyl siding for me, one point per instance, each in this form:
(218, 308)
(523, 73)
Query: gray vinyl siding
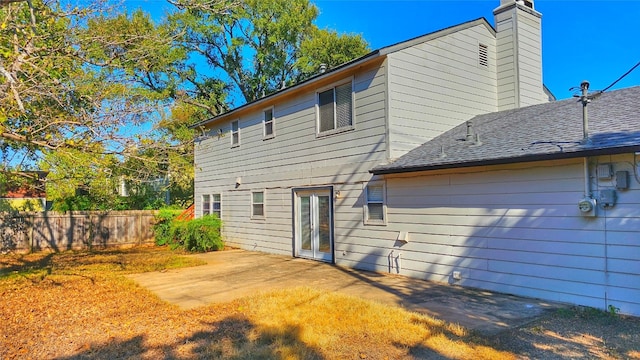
(506, 69)
(519, 60)
(438, 84)
(513, 229)
(296, 157)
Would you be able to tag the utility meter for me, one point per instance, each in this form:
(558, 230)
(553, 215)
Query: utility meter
(587, 206)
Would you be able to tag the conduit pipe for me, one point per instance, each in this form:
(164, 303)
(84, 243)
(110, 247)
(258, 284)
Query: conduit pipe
(587, 182)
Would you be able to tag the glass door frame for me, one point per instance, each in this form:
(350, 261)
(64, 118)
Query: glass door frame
(296, 241)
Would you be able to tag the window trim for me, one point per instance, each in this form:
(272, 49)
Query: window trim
(366, 202)
(232, 132)
(264, 205)
(335, 130)
(266, 136)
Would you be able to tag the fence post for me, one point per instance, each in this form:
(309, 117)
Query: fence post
(32, 225)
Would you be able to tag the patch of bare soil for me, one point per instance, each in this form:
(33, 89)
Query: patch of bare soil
(576, 333)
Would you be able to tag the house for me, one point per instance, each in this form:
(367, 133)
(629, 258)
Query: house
(23, 191)
(518, 201)
(444, 158)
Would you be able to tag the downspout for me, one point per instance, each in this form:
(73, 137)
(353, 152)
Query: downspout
(587, 182)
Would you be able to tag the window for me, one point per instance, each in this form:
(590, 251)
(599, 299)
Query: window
(269, 124)
(335, 108)
(206, 205)
(235, 133)
(257, 204)
(211, 204)
(374, 207)
(483, 55)
(215, 205)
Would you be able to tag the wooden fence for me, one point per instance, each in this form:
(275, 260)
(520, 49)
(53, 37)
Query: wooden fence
(30, 231)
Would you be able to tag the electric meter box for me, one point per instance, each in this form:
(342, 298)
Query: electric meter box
(607, 198)
(587, 206)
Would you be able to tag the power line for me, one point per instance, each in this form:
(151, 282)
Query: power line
(620, 78)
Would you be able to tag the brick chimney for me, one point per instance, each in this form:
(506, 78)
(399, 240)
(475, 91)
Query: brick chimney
(518, 54)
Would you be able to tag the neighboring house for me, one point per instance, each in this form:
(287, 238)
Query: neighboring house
(27, 194)
(367, 166)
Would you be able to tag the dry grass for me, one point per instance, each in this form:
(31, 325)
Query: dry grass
(79, 305)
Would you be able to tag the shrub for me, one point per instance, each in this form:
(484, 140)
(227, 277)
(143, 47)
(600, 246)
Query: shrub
(198, 235)
(162, 228)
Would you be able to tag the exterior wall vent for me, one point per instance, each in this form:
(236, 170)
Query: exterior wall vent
(483, 55)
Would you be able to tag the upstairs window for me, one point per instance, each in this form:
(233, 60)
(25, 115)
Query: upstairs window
(374, 207)
(269, 124)
(235, 133)
(335, 108)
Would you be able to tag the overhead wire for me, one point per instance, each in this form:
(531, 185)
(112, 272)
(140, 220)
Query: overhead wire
(620, 78)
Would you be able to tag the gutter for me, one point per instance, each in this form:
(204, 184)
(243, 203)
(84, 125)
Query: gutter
(511, 160)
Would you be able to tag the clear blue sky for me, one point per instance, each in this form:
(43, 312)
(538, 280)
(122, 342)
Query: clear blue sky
(581, 40)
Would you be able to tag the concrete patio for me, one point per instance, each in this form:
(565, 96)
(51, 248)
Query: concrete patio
(229, 275)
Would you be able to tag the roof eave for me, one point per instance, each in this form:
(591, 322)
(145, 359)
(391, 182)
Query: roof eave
(382, 52)
(510, 160)
(344, 67)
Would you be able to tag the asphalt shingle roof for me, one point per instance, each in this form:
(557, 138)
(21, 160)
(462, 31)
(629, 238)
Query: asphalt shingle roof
(539, 132)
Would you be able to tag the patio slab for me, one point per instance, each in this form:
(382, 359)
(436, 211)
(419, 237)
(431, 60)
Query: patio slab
(233, 274)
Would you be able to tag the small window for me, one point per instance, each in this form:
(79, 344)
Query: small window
(483, 55)
(374, 207)
(257, 204)
(269, 124)
(215, 205)
(235, 133)
(206, 205)
(335, 108)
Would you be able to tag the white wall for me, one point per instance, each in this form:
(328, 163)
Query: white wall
(437, 85)
(514, 229)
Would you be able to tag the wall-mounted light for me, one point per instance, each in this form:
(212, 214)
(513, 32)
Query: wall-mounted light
(238, 181)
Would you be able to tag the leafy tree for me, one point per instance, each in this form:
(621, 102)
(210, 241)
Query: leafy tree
(55, 94)
(79, 91)
(261, 45)
(329, 48)
(101, 96)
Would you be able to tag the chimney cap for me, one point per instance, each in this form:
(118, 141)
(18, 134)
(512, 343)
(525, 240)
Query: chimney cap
(527, 3)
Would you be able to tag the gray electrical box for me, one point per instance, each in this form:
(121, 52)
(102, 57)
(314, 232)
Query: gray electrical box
(622, 180)
(607, 198)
